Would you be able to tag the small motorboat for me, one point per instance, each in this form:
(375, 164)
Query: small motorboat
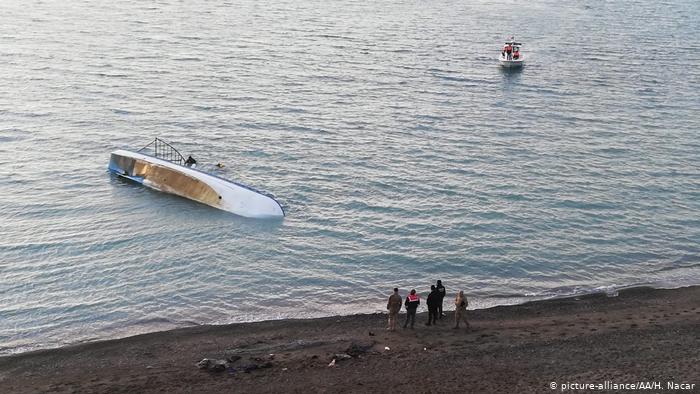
(511, 57)
(161, 167)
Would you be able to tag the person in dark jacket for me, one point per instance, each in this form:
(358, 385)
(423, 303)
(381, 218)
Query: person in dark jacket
(441, 289)
(411, 303)
(190, 162)
(433, 300)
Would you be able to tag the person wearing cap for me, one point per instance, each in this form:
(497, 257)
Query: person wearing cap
(394, 306)
(411, 303)
(441, 289)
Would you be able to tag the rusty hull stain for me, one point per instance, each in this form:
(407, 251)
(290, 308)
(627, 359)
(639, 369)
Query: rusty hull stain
(169, 180)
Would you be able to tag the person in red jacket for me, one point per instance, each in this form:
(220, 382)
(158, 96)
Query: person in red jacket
(411, 303)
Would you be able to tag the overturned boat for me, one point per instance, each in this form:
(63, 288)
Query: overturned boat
(160, 166)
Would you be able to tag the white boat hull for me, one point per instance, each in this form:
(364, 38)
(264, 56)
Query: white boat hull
(196, 185)
(513, 63)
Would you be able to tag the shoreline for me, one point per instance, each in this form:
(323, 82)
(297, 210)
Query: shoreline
(606, 291)
(642, 334)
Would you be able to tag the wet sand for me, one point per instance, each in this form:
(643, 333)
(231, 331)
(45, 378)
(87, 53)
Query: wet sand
(642, 335)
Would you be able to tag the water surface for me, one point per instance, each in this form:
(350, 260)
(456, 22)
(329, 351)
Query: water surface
(400, 151)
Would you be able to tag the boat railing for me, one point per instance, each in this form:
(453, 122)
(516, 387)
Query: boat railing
(163, 150)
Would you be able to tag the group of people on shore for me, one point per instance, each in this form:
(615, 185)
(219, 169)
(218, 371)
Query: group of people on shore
(434, 301)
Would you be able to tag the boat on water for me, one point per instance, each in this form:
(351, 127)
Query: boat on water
(160, 166)
(511, 57)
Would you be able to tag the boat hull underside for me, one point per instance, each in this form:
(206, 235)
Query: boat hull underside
(200, 187)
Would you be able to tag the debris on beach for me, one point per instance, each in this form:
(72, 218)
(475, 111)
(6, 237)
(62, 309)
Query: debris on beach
(356, 349)
(203, 364)
(387, 348)
(212, 365)
(332, 364)
(342, 356)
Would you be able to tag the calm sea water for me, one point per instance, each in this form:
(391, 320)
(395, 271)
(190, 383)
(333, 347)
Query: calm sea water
(401, 152)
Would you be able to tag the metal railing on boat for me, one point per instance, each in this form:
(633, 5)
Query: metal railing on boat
(164, 151)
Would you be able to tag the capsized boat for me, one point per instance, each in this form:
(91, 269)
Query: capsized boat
(510, 54)
(160, 166)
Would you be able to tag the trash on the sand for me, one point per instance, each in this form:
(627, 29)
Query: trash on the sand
(218, 366)
(149, 366)
(203, 364)
(332, 364)
(387, 348)
(371, 334)
(342, 356)
(211, 365)
(272, 355)
(284, 369)
(425, 348)
(355, 349)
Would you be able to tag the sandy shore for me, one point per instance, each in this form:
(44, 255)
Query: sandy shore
(642, 335)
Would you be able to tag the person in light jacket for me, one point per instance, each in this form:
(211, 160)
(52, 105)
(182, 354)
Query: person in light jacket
(393, 306)
(461, 304)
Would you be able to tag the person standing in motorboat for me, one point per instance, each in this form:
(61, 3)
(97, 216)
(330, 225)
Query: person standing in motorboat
(509, 51)
(516, 53)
